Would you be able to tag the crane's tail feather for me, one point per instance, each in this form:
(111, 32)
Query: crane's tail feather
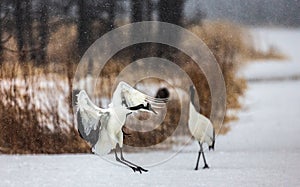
(212, 146)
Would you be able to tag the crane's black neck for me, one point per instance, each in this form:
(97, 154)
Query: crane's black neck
(140, 106)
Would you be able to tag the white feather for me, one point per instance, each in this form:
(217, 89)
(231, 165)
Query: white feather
(104, 144)
(200, 126)
(89, 112)
(132, 97)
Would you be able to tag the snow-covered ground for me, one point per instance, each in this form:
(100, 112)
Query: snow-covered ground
(262, 148)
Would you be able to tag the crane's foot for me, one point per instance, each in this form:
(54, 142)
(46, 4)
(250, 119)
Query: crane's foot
(139, 169)
(206, 166)
(142, 169)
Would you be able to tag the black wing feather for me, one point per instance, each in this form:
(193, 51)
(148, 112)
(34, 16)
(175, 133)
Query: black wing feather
(93, 137)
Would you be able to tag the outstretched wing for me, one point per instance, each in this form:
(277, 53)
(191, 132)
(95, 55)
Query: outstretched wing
(126, 95)
(88, 118)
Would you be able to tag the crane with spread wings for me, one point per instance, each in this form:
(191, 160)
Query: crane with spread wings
(102, 128)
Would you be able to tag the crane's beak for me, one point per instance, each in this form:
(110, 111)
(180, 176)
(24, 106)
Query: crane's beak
(150, 108)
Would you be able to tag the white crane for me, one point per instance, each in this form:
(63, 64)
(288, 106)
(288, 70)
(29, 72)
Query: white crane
(201, 128)
(102, 128)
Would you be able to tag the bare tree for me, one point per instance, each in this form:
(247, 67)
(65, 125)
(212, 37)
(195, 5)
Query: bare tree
(4, 22)
(1, 30)
(28, 30)
(148, 6)
(111, 10)
(136, 16)
(43, 32)
(136, 11)
(84, 26)
(24, 29)
(18, 12)
(171, 11)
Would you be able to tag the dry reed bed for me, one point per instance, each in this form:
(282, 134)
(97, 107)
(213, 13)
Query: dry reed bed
(34, 112)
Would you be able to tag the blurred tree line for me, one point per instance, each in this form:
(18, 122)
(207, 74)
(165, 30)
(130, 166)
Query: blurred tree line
(251, 12)
(31, 22)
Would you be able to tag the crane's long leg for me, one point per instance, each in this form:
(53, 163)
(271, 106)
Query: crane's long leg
(126, 164)
(201, 149)
(199, 154)
(134, 167)
(138, 167)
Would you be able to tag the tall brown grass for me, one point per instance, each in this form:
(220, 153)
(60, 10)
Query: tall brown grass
(31, 121)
